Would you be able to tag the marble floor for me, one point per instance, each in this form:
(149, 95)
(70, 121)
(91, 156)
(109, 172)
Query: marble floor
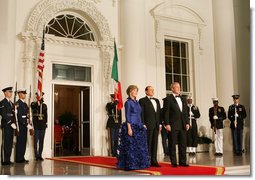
(235, 165)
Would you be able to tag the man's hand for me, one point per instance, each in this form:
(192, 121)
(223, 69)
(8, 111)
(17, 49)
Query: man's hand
(168, 128)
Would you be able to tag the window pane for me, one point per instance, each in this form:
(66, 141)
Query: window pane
(176, 49)
(184, 66)
(177, 66)
(184, 83)
(168, 48)
(69, 26)
(72, 73)
(183, 50)
(177, 78)
(168, 81)
(169, 64)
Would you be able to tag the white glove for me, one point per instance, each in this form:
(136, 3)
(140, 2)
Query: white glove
(215, 117)
(191, 113)
(29, 126)
(13, 126)
(236, 115)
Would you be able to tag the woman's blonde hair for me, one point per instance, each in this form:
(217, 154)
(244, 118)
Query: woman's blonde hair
(131, 88)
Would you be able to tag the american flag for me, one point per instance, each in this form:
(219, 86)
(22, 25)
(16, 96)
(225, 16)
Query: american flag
(40, 68)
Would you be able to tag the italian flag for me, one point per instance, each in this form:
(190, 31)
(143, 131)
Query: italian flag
(115, 77)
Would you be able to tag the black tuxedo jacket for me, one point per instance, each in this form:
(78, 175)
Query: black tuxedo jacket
(149, 117)
(174, 117)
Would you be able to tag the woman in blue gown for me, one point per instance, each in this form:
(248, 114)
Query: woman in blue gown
(133, 150)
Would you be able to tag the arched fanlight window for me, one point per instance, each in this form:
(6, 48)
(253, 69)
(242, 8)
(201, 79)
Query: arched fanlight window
(69, 26)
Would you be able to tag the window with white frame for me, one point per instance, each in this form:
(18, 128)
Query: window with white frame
(177, 65)
(69, 26)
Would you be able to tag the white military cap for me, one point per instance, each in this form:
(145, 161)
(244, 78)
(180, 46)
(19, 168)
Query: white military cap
(215, 99)
(189, 97)
(22, 90)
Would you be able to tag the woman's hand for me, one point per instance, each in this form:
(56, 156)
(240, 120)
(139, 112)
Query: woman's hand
(130, 132)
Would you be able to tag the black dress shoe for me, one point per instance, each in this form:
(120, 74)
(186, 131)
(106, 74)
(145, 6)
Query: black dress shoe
(174, 165)
(41, 159)
(184, 165)
(11, 163)
(5, 163)
(155, 165)
(21, 161)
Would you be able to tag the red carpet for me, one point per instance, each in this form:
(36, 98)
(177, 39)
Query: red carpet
(165, 169)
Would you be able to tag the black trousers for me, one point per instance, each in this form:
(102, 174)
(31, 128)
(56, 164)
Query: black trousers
(152, 141)
(7, 142)
(178, 137)
(21, 143)
(38, 139)
(164, 135)
(192, 136)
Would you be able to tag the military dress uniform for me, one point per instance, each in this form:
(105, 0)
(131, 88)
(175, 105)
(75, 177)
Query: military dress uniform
(237, 114)
(22, 116)
(113, 124)
(40, 125)
(217, 115)
(8, 125)
(192, 133)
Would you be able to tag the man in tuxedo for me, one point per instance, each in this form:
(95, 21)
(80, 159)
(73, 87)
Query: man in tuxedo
(177, 124)
(151, 119)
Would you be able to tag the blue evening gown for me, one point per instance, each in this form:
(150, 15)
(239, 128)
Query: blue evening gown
(133, 150)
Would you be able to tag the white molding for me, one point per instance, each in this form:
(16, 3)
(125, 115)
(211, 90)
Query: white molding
(47, 9)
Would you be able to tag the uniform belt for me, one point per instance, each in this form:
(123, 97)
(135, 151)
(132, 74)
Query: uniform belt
(9, 114)
(24, 116)
(42, 115)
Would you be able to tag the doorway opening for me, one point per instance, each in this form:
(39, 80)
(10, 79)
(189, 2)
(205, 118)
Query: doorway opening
(71, 120)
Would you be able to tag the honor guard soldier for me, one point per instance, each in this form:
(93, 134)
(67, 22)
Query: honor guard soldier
(192, 133)
(40, 119)
(8, 124)
(237, 114)
(113, 124)
(22, 118)
(217, 115)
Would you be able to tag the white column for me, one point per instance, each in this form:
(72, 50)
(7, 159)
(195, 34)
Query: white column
(225, 50)
(133, 39)
(225, 57)
(7, 43)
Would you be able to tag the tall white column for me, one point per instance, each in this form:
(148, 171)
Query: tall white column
(225, 57)
(7, 43)
(133, 39)
(225, 50)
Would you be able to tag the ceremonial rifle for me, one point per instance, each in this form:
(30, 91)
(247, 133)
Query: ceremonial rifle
(214, 120)
(30, 126)
(15, 111)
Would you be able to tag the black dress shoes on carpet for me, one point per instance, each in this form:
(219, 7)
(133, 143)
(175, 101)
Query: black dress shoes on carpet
(174, 165)
(184, 165)
(155, 165)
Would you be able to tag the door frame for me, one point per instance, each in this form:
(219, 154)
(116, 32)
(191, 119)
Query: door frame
(72, 83)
